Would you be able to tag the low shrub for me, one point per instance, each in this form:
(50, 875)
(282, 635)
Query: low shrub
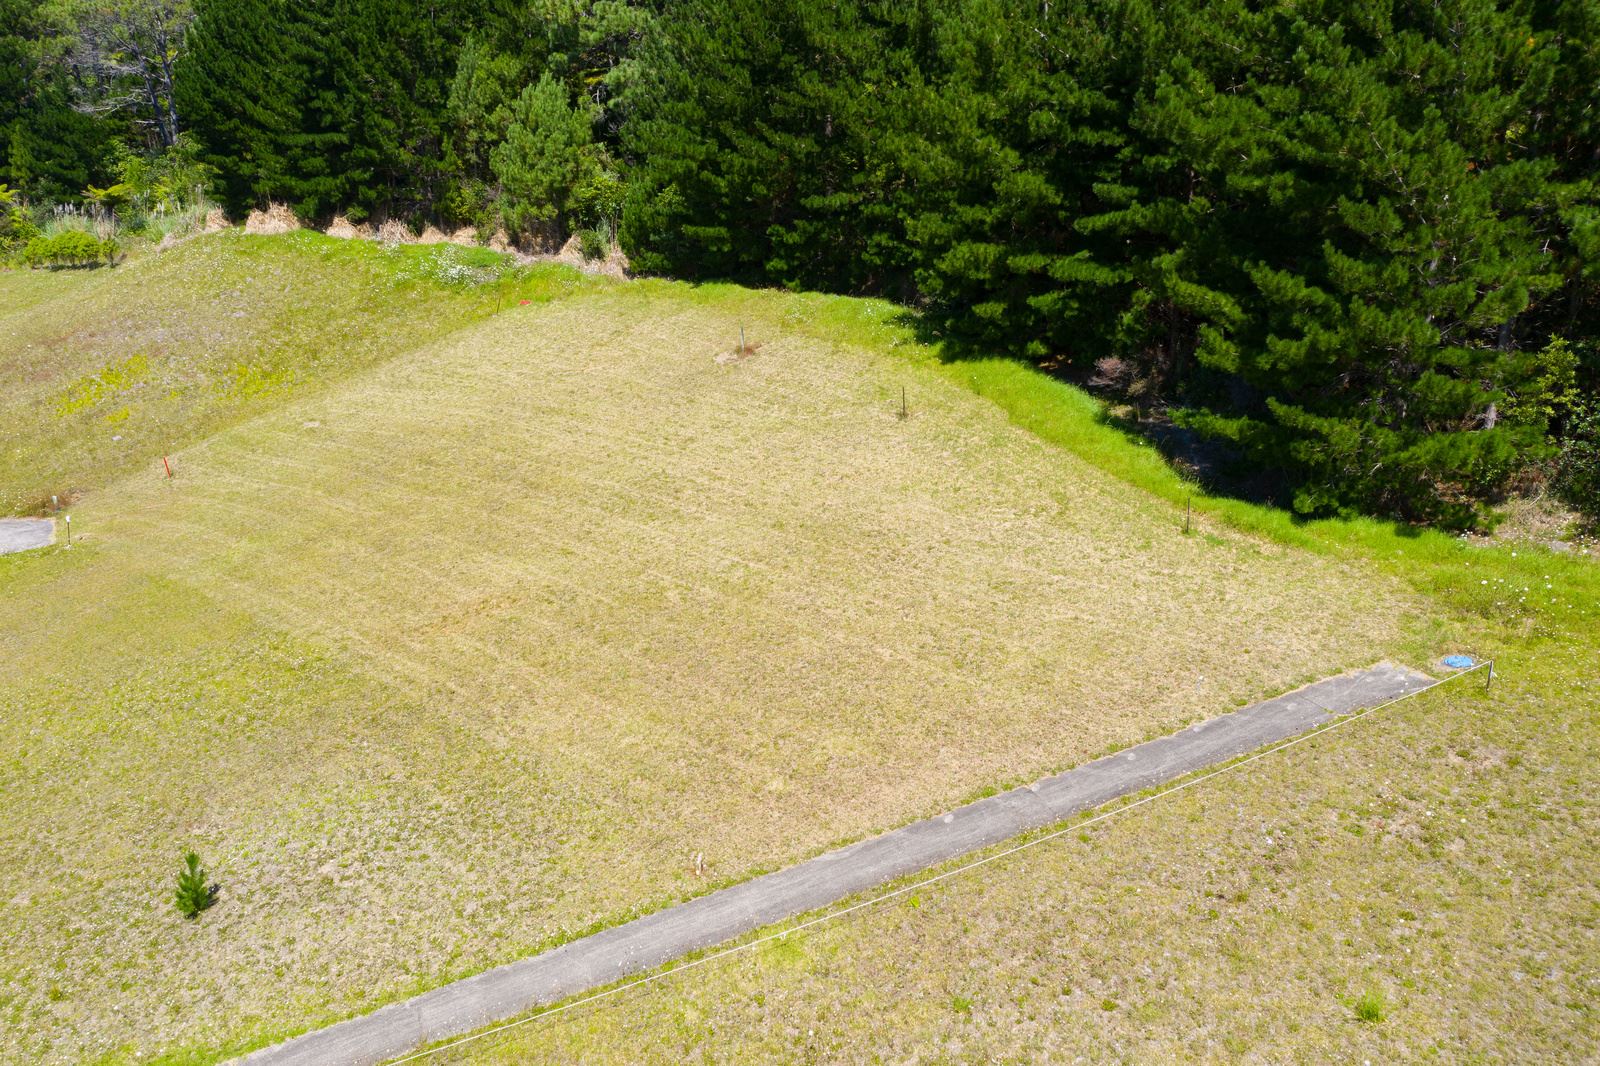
(469, 203)
(69, 248)
(594, 243)
(16, 229)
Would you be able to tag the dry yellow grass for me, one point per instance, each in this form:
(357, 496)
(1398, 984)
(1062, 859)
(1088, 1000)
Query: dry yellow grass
(480, 647)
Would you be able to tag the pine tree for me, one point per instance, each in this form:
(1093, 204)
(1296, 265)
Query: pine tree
(483, 91)
(547, 154)
(783, 140)
(193, 894)
(48, 149)
(1381, 338)
(1028, 126)
(391, 64)
(1566, 130)
(336, 106)
(241, 87)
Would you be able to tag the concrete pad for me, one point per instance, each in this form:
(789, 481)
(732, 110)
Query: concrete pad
(25, 534)
(1367, 688)
(656, 939)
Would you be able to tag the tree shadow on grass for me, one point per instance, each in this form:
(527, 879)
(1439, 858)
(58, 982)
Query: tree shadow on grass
(1214, 468)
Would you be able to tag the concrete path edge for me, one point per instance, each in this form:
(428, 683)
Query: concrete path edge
(25, 534)
(656, 939)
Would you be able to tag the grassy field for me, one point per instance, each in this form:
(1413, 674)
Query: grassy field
(1420, 885)
(105, 370)
(481, 631)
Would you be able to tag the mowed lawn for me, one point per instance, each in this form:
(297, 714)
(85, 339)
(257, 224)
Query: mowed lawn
(1421, 886)
(559, 617)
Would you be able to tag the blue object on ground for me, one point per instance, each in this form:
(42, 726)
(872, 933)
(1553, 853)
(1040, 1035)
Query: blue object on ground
(1459, 662)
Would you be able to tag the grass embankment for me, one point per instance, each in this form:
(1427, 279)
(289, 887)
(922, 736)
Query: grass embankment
(107, 370)
(1421, 884)
(453, 654)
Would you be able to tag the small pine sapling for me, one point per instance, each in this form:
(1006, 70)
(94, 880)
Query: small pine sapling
(193, 895)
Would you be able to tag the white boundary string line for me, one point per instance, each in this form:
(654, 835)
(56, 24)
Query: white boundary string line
(749, 945)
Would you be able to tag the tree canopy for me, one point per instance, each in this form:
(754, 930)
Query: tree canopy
(1354, 247)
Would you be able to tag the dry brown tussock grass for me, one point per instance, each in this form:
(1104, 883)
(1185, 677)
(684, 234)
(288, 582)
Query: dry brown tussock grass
(344, 229)
(392, 231)
(277, 218)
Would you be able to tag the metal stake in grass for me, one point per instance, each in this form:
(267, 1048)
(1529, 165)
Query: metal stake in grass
(1188, 514)
(741, 339)
(168, 466)
(69, 530)
(904, 414)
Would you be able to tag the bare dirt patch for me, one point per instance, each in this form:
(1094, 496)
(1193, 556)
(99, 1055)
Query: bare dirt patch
(740, 353)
